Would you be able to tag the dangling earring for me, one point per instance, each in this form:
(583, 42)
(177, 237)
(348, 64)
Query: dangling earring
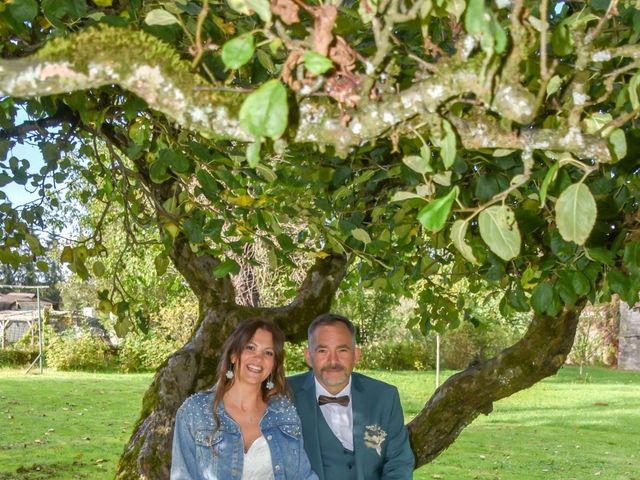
(269, 384)
(229, 372)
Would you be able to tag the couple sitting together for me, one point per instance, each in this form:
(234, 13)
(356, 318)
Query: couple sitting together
(343, 426)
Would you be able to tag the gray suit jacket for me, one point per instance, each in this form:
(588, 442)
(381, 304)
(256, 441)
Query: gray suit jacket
(377, 413)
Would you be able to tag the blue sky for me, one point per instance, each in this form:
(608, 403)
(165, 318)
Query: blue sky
(21, 194)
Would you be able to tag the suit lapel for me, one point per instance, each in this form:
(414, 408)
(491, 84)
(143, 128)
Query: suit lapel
(307, 409)
(360, 415)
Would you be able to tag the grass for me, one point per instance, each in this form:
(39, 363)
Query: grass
(66, 426)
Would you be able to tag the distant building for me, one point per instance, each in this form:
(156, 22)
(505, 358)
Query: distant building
(18, 313)
(629, 338)
(23, 301)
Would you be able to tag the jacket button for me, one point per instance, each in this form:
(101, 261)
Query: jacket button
(269, 437)
(277, 467)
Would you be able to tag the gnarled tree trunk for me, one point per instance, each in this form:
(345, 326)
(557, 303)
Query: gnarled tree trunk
(192, 368)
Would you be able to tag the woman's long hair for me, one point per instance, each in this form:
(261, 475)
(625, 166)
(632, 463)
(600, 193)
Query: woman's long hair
(234, 346)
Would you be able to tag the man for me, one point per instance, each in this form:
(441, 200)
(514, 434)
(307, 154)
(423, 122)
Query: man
(352, 425)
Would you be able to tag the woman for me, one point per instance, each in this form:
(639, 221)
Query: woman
(245, 427)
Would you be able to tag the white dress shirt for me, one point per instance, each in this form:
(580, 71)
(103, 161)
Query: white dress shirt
(339, 418)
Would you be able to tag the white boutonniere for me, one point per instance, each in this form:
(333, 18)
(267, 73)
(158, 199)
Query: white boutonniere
(374, 435)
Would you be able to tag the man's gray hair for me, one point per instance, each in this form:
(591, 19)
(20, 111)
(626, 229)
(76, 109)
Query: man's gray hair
(330, 319)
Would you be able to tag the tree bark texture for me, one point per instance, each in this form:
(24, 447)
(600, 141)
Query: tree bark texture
(143, 65)
(458, 401)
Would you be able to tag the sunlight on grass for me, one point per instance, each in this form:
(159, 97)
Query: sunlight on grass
(63, 426)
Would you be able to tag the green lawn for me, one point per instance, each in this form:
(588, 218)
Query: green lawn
(74, 425)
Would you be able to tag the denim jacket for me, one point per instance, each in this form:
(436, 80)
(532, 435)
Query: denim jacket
(203, 452)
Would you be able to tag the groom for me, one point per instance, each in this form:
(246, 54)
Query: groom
(352, 425)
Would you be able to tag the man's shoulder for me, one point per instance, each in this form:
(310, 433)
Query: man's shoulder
(296, 382)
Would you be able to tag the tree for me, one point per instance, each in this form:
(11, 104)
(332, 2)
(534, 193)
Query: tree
(408, 141)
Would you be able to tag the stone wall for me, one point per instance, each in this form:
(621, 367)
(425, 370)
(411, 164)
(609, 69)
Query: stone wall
(629, 339)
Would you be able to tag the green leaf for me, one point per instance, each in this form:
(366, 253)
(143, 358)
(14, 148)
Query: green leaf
(266, 173)
(498, 34)
(474, 21)
(564, 288)
(554, 85)
(361, 234)
(264, 112)
(139, 132)
(417, 164)
(5, 179)
(42, 266)
(618, 143)
(448, 145)
(633, 90)
(56, 9)
(122, 326)
(98, 268)
(23, 10)
(596, 121)
(177, 161)
(400, 196)
(229, 266)
(161, 262)
(580, 283)
(541, 297)
(576, 213)
(455, 8)
(434, 215)
(499, 230)
(561, 40)
(262, 8)
(192, 227)
(316, 63)
(208, 184)
(238, 51)
(458, 234)
(158, 171)
(631, 258)
(253, 153)
(618, 282)
(161, 17)
(548, 179)
(240, 6)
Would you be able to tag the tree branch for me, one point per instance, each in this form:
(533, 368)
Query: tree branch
(152, 70)
(463, 397)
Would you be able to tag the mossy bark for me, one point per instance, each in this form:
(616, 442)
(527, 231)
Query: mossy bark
(464, 396)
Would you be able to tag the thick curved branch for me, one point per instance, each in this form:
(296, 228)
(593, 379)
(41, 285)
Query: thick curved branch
(197, 269)
(152, 70)
(484, 132)
(314, 297)
(464, 396)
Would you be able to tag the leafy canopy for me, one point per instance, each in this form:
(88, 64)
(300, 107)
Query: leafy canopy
(430, 141)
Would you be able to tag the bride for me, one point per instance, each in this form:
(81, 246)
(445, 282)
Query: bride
(245, 427)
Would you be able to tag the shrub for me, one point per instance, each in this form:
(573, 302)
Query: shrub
(468, 343)
(79, 351)
(145, 352)
(405, 354)
(294, 358)
(17, 357)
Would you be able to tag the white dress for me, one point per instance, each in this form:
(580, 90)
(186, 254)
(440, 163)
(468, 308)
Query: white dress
(257, 461)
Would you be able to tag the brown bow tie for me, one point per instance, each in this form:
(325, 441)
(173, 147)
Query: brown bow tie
(344, 400)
